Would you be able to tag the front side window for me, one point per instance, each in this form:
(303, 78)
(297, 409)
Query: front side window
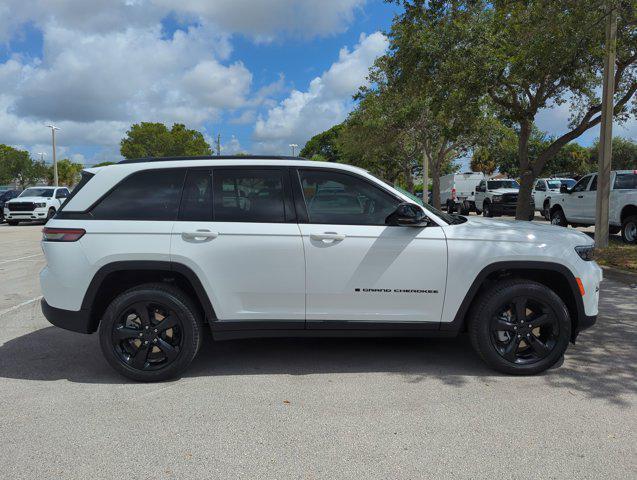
(539, 186)
(196, 201)
(341, 199)
(582, 184)
(248, 196)
(62, 193)
(625, 181)
(147, 195)
(593, 187)
(37, 192)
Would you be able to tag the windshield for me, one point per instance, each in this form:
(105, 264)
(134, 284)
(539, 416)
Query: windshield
(495, 184)
(37, 192)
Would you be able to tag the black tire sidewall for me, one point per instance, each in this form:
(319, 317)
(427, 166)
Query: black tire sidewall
(174, 299)
(559, 215)
(479, 328)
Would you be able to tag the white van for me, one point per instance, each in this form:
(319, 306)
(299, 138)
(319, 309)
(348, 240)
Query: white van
(457, 191)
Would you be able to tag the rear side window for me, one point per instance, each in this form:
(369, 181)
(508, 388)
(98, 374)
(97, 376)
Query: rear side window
(625, 181)
(147, 195)
(196, 201)
(248, 196)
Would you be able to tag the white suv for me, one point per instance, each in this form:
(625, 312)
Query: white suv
(35, 203)
(149, 252)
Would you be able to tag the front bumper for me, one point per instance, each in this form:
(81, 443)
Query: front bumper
(37, 214)
(76, 321)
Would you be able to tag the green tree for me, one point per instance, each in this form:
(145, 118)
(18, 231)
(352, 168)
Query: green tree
(104, 164)
(69, 173)
(17, 166)
(624, 154)
(149, 139)
(323, 145)
(522, 56)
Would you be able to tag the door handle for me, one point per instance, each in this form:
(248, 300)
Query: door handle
(199, 235)
(337, 237)
(580, 196)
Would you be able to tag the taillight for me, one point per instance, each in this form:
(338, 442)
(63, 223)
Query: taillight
(453, 193)
(62, 234)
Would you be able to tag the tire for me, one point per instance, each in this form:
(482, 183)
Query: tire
(629, 230)
(487, 210)
(464, 208)
(614, 230)
(12, 223)
(451, 207)
(558, 218)
(546, 212)
(121, 332)
(50, 214)
(532, 216)
(501, 340)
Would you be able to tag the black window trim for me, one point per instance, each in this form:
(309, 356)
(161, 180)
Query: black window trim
(299, 198)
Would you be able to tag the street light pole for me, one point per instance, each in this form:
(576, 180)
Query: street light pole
(293, 146)
(606, 130)
(55, 163)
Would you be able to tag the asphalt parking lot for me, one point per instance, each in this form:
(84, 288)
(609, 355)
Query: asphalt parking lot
(311, 408)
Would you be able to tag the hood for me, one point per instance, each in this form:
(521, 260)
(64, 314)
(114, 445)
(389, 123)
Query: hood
(28, 199)
(500, 191)
(480, 228)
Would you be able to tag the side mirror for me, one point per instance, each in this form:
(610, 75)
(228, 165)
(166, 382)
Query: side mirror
(564, 189)
(407, 215)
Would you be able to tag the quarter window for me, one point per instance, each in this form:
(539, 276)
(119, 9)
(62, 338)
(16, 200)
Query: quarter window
(196, 201)
(248, 196)
(147, 195)
(341, 199)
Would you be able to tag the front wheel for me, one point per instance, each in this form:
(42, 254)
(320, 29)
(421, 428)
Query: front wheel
(558, 218)
(150, 333)
(487, 212)
(629, 230)
(520, 327)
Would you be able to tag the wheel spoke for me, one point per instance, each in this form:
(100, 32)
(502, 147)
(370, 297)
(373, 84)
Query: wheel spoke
(503, 325)
(541, 348)
(511, 349)
(123, 333)
(169, 322)
(139, 360)
(520, 309)
(168, 349)
(541, 320)
(141, 309)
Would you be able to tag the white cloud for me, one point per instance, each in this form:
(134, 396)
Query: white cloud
(326, 102)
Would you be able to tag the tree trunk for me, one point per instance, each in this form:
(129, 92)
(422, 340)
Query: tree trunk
(425, 176)
(435, 183)
(409, 179)
(523, 208)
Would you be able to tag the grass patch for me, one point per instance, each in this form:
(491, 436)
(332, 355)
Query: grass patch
(618, 254)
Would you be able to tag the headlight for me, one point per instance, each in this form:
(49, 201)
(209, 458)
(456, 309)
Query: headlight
(586, 252)
(40, 205)
(496, 198)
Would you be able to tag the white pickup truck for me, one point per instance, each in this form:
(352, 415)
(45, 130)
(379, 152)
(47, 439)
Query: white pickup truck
(545, 189)
(35, 203)
(576, 206)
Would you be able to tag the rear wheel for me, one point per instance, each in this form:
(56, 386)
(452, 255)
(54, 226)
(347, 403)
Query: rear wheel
(520, 327)
(150, 333)
(629, 229)
(558, 218)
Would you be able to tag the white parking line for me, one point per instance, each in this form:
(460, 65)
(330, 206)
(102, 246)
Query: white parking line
(21, 258)
(20, 305)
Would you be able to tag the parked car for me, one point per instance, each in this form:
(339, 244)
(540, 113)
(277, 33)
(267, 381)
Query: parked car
(544, 189)
(5, 196)
(576, 206)
(149, 253)
(35, 203)
(498, 197)
(457, 191)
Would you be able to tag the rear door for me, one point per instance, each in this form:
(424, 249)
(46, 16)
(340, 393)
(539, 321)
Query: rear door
(237, 231)
(358, 269)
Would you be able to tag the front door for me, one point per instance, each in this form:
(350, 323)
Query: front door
(572, 202)
(588, 202)
(237, 231)
(357, 268)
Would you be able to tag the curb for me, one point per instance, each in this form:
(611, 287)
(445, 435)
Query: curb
(623, 276)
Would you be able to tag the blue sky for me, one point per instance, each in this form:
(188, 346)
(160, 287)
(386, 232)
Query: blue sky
(262, 73)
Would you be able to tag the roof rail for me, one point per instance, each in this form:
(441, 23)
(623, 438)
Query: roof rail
(211, 157)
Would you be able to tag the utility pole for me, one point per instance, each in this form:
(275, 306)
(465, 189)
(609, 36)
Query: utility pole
(293, 146)
(606, 130)
(42, 155)
(218, 145)
(55, 163)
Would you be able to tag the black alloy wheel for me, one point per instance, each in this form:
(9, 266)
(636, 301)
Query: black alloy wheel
(150, 333)
(520, 327)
